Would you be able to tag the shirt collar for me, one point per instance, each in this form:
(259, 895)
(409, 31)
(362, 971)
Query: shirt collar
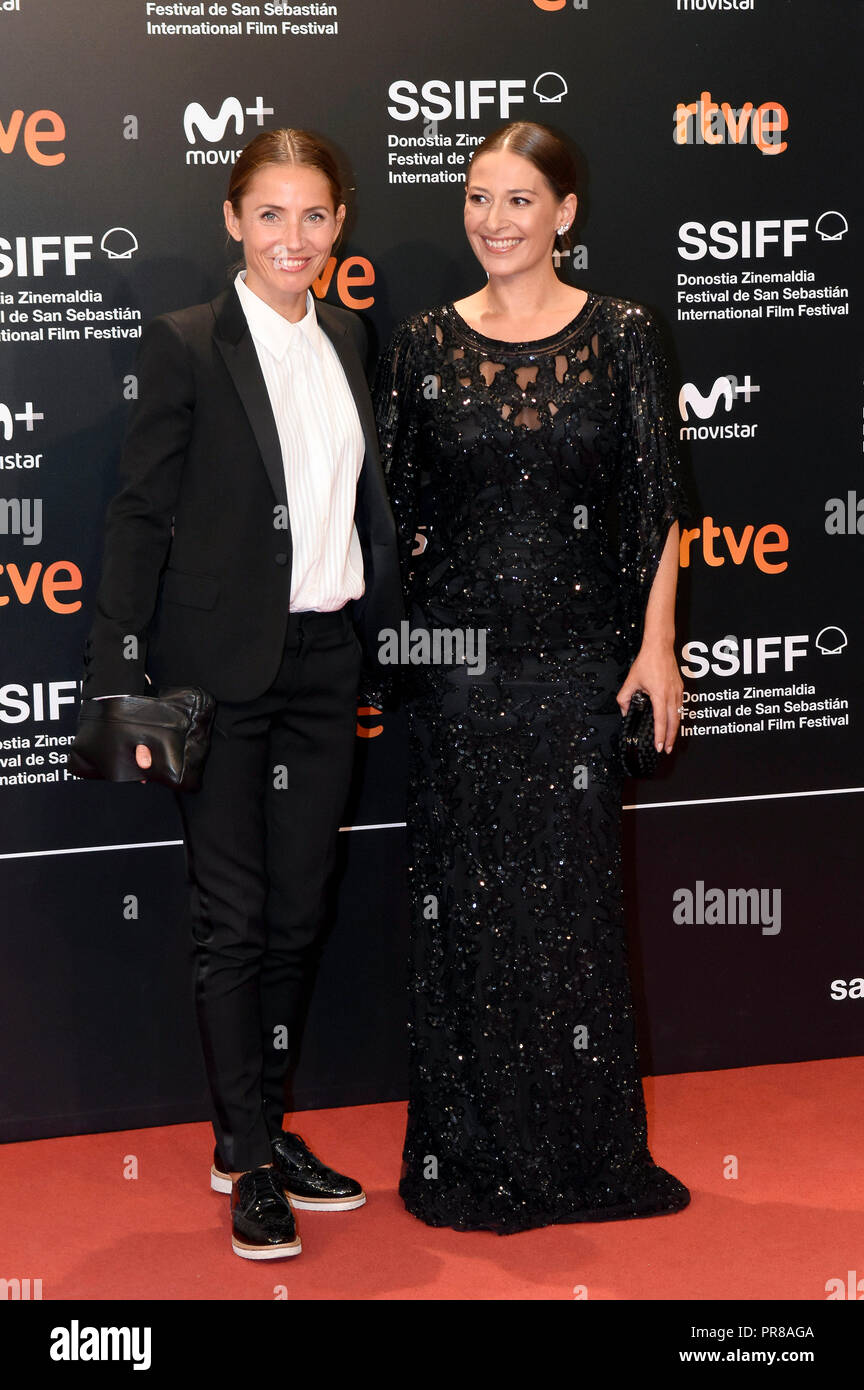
(277, 334)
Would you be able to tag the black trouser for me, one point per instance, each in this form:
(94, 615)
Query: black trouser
(260, 845)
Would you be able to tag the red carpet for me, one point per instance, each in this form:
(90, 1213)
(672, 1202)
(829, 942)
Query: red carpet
(789, 1222)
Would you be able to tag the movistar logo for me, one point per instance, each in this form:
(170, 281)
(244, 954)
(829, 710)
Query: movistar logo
(197, 121)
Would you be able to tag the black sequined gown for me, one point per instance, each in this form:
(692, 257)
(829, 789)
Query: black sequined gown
(542, 479)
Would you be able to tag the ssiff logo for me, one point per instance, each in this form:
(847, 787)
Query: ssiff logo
(751, 656)
(29, 256)
(725, 239)
(438, 100)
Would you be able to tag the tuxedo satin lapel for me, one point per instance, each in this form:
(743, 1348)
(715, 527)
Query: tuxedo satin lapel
(354, 375)
(234, 342)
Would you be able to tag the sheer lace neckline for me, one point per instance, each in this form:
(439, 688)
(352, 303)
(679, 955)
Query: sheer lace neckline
(537, 344)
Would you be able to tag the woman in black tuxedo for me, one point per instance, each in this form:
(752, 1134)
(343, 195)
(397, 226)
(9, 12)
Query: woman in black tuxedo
(250, 538)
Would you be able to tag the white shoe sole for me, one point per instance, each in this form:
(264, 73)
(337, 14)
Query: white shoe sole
(341, 1203)
(264, 1252)
(221, 1182)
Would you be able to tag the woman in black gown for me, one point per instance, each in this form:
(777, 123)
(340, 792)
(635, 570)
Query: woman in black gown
(528, 441)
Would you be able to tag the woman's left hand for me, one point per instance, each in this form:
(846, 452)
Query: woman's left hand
(655, 671)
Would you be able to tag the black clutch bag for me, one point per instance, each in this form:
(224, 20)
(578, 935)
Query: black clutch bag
(637, 751)
(175, 726)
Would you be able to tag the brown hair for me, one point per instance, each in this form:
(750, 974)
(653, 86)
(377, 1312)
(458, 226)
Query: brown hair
(286, 146)
(544, 149)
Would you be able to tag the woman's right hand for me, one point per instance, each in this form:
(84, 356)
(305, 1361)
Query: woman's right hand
(142, 757)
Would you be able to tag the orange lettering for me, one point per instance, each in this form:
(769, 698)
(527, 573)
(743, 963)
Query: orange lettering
(761, 544)
(50, 585)
(322, 284)
(687, 537)
(767, 540)
(25, 589)
(25, 586)
(708, 107)
(9, 134)
(368, 731)
(769, 120)
(33, 136)
(347, 277)
(736, 128)
(738, 549)
(682, 120)
(709, 532)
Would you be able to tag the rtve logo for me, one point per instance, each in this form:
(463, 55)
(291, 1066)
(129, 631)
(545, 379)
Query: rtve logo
(704, 122)
(466, 100)
(39, 128)
(757, 544)
(196, 121)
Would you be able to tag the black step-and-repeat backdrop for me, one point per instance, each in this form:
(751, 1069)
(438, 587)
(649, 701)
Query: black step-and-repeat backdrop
(722, 188)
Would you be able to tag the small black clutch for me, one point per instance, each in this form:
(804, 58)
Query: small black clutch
(637, 750)
(175, 726)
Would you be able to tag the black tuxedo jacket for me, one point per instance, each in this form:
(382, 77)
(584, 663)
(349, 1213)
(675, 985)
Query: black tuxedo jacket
(196, 573)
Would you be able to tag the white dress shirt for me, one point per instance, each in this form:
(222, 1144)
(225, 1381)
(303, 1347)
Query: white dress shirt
(322, 451)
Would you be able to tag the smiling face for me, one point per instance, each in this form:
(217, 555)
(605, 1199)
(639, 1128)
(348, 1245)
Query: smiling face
(511, 213)
(287, 224)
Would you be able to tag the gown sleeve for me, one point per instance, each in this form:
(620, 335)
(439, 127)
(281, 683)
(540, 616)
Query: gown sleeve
(652, 491)
(397, 395)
